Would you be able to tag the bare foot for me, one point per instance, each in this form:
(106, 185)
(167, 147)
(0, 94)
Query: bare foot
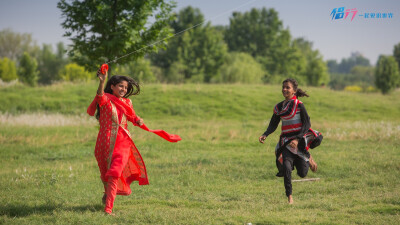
(290, 199)
(313, 164)
(109, 213)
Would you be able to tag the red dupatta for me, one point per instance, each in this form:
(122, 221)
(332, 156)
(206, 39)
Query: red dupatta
(131, 116)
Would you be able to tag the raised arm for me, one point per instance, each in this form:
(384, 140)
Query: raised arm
(102, 79)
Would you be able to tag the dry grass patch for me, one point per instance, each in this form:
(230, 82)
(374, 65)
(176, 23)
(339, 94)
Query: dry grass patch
(45, 120)
(362, 130)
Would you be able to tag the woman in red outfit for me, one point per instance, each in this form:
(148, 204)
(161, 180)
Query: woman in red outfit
(119, 160)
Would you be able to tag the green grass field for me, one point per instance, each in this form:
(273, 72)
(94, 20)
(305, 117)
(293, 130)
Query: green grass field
(218, 173)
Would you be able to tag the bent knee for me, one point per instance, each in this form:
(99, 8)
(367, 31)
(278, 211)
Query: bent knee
(302, 174)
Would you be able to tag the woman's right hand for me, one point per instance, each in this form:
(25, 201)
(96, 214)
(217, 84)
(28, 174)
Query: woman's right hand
(102, 77)
(262, 138)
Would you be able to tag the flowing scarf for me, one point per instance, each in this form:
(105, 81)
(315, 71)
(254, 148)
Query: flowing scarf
(288, 110)
(131, 116)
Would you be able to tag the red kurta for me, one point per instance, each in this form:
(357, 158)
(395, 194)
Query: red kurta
(115, 151)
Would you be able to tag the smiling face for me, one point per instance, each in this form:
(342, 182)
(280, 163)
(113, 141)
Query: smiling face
(120, 89)
(288, 91)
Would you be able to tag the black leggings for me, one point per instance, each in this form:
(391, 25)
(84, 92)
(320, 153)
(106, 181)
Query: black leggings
(289, 161)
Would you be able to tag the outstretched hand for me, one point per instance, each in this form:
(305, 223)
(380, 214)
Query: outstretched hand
(262, 138)
(140, 122)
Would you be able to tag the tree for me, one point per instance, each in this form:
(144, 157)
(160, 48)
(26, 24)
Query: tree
(202, 51)
(196, 54)
(260, 33)
(140, 70)
(333, 66)
(104, 29)
(27, 70)
(364, 75)
(386, 74)
(355, 70)
(254, 32)
(8, 71)
(396, 54)
(48, 65)
(13, 45)
(74, 72)
(346, 64)
(315, 69)
(240, 67)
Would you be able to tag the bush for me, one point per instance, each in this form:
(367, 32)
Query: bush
(8, 71)
(176, 73)
(353, 88)
(370, 89)
(387, 75)
(27, 70)
(140, 70)
(240, 68)
(74, 72)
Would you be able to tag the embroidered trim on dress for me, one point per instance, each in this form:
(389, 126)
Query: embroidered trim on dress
(114, 132)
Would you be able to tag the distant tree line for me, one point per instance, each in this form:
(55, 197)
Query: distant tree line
(254, 48)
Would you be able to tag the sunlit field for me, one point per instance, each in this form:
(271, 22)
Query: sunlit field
(217, 174)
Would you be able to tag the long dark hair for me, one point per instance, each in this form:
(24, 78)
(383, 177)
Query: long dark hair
(299, 92)
(133, 88)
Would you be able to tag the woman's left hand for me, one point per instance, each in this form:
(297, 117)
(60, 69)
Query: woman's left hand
(294, 143)
(140, 122)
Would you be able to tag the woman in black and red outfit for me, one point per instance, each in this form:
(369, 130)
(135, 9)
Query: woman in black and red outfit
(296, 137)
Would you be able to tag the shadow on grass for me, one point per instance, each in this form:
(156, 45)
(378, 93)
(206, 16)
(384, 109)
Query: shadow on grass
(24, 210)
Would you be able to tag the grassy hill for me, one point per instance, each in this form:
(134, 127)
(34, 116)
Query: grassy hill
(218, 173)
(204, 101)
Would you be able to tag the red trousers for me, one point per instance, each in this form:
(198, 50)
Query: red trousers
(111, 192)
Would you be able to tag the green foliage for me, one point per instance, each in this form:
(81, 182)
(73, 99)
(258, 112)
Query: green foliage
(315, 70)
(396, 53)
(74, 72)
(101, 30)
(140, 70)
(187, 18)
(359, 75)
(51, 63)
(362, 73)
(13, 45)
(260, 33)
(240, 68)
(353, 88)
(8, 71)
(387, 74)
(176, 73)
(256, 32)
(27, 70)
(345, 66)
(197, 54)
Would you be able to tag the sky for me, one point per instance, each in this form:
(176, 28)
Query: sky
(310, 19)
